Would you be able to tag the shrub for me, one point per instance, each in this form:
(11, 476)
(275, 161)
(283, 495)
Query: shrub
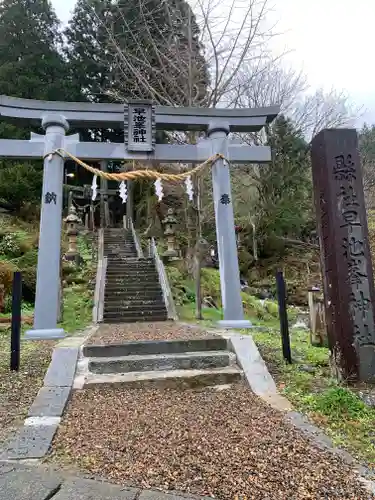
(6, 275)
(10, 245)
(29, 259)
(29, 283)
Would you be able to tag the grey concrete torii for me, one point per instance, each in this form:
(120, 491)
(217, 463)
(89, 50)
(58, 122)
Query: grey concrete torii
(55, 118)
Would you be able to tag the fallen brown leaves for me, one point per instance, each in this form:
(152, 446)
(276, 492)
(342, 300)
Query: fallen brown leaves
(18, 389)
(214, 443)
(124, 332)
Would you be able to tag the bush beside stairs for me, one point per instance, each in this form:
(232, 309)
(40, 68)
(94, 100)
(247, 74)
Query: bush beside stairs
(132, 290)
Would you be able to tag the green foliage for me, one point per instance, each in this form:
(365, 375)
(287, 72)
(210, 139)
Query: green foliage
(210, 283)
(32, 67)
(181, 288)
(284, 203)
(77, 308)
(28, 259)
(338, 402)
(21, 183)
(13, 245)
(31, 64)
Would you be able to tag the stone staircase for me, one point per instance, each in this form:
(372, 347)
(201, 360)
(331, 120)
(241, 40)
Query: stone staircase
(168, 363)
(132, 290)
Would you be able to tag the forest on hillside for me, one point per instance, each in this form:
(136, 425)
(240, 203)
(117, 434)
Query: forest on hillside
(180, 54)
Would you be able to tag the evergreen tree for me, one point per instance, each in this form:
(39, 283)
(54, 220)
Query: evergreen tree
(284, 186)
(32, 66)
(31, 60)
(142, 49)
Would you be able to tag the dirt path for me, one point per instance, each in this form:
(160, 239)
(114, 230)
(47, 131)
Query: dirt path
(209, 442)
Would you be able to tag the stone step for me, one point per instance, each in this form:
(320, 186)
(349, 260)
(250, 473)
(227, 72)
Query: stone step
(135, 319)
(142, 314)
(128, 264)
(119, 248)
(140, 261)
(119, 243)
(173, 379)
(135, 309)
(131, 286)
(113, 273)
(131, 272)
(162, 362)
(155, 347)
(127, 296)
(133, 302)
(122, 294)
(131, 264)
(138, 281)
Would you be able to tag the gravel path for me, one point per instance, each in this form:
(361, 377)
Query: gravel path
(215, 443)
(110, 334)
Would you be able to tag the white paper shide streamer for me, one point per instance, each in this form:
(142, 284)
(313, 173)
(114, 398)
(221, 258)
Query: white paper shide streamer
(123, 191)
(94, 188)
(189, 188)
(159, 189)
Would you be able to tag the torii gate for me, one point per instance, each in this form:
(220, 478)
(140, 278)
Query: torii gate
(55, 118)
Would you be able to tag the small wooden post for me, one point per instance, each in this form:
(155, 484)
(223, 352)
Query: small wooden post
(15, 341)
(318, 334)
(284, 327)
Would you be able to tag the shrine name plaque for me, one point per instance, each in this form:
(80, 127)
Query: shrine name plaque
(139, 126)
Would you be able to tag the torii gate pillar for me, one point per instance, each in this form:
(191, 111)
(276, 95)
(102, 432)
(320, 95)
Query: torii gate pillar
(225, 232)
(48, 270)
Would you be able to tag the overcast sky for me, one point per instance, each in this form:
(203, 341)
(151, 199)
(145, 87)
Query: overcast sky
(331, 40)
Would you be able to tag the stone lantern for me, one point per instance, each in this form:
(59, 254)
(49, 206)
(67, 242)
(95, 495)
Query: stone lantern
(169, 223)
(72, 221)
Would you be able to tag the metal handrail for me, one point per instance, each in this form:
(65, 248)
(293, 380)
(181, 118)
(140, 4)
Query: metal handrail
(128, 224)
(97, 312)
(164, 282)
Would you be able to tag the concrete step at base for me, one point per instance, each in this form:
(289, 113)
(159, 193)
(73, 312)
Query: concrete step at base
(162, 362)
(155, 347)
(174, 379)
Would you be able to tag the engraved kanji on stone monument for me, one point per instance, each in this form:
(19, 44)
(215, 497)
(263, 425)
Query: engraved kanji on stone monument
(139, 126)
(345, 256)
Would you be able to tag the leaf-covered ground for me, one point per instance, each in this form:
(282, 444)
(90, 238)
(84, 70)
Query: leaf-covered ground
(225, 444)
(18, 389)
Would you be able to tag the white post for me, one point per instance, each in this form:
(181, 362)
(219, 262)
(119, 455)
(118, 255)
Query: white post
(48, 270)
(225, 231)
